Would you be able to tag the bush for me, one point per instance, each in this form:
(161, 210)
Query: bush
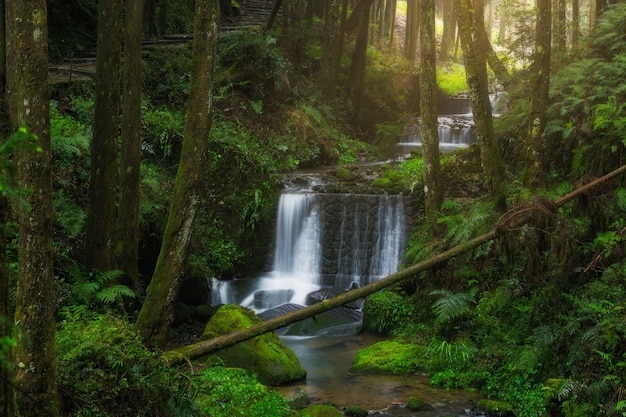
(386, 311)
(228, 392)
(105, 370)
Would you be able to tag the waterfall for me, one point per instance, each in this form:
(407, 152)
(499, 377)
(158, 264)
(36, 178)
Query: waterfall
(329, 241)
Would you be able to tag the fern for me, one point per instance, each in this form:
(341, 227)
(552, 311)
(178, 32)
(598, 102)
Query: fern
(450, 305)
(98, 288)
(108, 295)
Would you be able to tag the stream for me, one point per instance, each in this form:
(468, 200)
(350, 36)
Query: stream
(329, 381)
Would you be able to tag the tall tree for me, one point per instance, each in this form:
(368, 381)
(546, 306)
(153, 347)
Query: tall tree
(103, 181)
(449, 30)
(27, 85)
(7, 398)
(412, 30)
(539, 86)
(356, 75)
(130, 158)
(428, 109)
(157, 311)
(475, 72)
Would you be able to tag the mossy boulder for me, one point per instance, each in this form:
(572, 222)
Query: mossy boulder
(388, 357)
(266, 355)
(318, 411)
(496, 408)
(344, 173)
(355, 411)
(417, 404)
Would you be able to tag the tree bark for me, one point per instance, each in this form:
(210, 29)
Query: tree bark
(428, 111)
(475, 71)
(449, 29)
(130, 158)
(156, 313)
(103, 181)
(412, 30)
(27, 83)
(7, 397)
(538, 88)
(356, 75)
(206, 347)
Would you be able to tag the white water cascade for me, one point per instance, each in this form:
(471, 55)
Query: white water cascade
(337, 241)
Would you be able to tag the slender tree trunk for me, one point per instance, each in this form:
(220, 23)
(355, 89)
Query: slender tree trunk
(539, 86)
(103, 183)
(560, 23)
(449, 29)
(273, 15)
(412, 31)
(7, 397)
(27, 82)
(575, 24)
(130, 158)
(389, 13)
(157, 311)
(493, 167)
(428, 110)
(359, 59)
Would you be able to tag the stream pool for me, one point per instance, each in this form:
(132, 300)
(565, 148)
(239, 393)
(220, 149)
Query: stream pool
(329, 381)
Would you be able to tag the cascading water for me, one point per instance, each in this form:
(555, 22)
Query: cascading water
(336, 241)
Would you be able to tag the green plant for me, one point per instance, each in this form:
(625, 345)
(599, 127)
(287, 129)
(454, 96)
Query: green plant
(104, 370)
(386, 312)
(229, 392)
(450, 306)
(97, 289)
(452, 79)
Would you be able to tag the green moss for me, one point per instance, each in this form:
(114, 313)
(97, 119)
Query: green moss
(266, 355)
(417, 404)
(496, 408)
(356, 411)
(344, 173)
(382, 182)
(318, 411)
(388, 357)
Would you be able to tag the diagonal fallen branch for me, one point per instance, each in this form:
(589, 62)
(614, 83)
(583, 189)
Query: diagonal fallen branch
(209, 346)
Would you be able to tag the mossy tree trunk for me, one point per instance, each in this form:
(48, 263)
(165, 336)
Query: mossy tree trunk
(130, 158)
(475, 72)
(156, 313)
(538, 88)
(103, 182)
(27, 84)
(7, 398)
(428, 110)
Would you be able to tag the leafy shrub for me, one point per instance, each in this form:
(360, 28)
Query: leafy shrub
(387, 311)
(105, 371)
(229, 392)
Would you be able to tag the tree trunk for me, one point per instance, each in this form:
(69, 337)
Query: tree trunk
(475, 71)
(539, 86)
(206, 347)
(428, 111)
(103, 182)
(156, 313)
(449, 29)
(130, 157)
(389, 14)
(356, 75)
(27, 83)
(560, 37)
(412, 31)
(575, 24)
(7, 397)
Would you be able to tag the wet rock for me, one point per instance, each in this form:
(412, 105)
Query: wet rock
(298, 398)
(417, 404)
(266, 355)
(355, 411)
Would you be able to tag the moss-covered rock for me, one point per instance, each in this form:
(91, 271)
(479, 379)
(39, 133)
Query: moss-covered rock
(417, 404)
(496, 408)
(355, 411)
(266, 355)
(388, 357)
(318, 411)
(344, 173)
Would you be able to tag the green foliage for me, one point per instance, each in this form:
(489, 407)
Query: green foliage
(452, 79)
(104, 370)
(21, 139)
(163, 131)
(166, 78)
(229, 392)
(450, 306)
(97, 289)
(251, 65)
(389, 357)
(387, 311)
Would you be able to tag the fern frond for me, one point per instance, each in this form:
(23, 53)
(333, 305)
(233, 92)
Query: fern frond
(450, 305)
(108, 295)
(86, 290)
(109, 276)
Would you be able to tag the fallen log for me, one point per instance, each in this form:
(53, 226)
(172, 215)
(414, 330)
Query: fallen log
(209, 346)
